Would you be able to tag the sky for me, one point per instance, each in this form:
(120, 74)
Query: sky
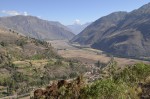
(68, 11)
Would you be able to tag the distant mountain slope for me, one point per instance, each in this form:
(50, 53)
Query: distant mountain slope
(77, 28)
(98, 28)
(36, 28)
(127, 35)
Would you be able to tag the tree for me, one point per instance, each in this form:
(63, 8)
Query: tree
(98, 64)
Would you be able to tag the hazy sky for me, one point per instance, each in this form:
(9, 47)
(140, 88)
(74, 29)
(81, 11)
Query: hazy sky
(68, 11)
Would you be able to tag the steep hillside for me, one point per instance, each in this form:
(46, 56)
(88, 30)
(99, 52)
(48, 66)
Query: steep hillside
(36, 28)
(126, 36)
(20, 47)
(27, 63)
(98, 28)
(131, 37)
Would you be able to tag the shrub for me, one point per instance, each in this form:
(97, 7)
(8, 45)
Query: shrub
(3, 44)
(37, 57)
(58, 62)
(103, 89)
(21, 42)
(73, 74)
(100, 64)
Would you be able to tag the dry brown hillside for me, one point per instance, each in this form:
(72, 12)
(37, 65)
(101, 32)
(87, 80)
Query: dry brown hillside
(23, 47)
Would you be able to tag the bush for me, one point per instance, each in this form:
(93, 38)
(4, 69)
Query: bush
(3, 44)
(121, 84)
(37, 57)
(133, 74)
(100, 64)
(103, 89)
(19, 77)
(73, 74)
(21, 42)
(58, 62)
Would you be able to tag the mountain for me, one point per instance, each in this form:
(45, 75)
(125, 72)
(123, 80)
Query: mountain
(98, 28)
(120, 33)
(77, 28)
(36, 28)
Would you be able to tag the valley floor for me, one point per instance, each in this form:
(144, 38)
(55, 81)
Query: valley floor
(87, 55)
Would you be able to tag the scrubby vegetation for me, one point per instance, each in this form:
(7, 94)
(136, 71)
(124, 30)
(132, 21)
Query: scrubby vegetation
(120, 84)
(22, 76)
(27, 63)
(132, 82)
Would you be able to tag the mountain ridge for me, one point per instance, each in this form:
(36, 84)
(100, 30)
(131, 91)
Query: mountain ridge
(102, 23)
(126, 37)
(37, 28)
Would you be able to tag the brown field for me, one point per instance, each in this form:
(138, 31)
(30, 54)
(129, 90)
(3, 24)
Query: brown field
(87, 55)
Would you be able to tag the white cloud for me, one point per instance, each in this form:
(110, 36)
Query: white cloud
(77, 21)
(25, 13)
(10, 12)
(13, 12)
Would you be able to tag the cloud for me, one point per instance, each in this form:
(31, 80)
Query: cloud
(13, 12)
(25, 13)
(77, 21)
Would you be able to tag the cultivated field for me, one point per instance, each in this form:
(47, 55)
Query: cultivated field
(87, 55)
